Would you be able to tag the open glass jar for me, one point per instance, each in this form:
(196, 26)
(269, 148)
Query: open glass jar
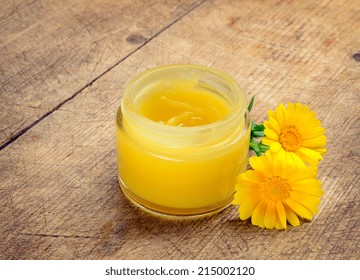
(182, 135)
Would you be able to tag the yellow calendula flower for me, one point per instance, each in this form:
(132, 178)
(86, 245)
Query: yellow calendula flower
(295, 133)
(277, 192)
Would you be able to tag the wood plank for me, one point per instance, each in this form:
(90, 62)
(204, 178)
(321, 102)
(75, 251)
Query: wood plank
(59, 194)
(18, 16)
(50, 50)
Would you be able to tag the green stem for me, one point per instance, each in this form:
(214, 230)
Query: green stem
(257, 131)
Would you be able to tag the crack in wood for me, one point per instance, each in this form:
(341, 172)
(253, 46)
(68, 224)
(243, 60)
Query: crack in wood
(59, 235)
(24, 130)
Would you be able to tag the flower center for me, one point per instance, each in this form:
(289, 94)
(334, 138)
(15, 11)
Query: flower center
(290, 139)
(276, 188)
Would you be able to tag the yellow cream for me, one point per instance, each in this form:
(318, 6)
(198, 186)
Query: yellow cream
(180, 146)
(179, 107)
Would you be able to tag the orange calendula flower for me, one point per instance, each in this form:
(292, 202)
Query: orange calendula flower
(295, 134)
(277, 192)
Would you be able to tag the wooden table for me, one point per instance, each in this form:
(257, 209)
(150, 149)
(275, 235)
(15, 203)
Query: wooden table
(64, 66)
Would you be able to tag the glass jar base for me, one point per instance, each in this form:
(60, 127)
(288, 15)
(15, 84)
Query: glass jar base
(169, 212)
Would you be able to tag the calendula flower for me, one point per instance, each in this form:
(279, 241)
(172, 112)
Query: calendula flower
(295, 133)
(277, 192)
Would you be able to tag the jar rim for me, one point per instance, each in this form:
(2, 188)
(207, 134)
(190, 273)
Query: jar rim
(238, 110)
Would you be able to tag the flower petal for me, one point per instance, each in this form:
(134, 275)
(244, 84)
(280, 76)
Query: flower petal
(246, 209)
(280, 115)
(275, 146)
(298, 209)
(311, 130)
(278, 224)
(273, 124)
(309, 186)
(282, 156)
(258, 214)
(281, 213)
(270, 134)
(245, 196)
(270, 215)
(309, 155)
(253, 176)
(291, 216)
(310, 202)
(261, 165)
(290, 115)
(297, 160)
(316, 142)
(268, 141)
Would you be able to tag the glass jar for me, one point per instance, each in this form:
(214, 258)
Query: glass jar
(181, 170)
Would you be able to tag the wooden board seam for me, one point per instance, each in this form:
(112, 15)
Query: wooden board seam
(57, 107)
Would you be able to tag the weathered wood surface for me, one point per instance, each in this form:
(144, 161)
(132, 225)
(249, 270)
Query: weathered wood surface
(50, 50)
(59, 196)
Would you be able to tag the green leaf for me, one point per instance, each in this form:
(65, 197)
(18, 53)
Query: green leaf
(258, 147)
(253, 124)
(257, 133)
(251, 103)
(254, 146)
(263, 148)
(257, 130)
(259, 127)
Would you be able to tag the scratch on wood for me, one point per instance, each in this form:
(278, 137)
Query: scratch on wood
(232, 21)
(59, 235)
(43, 206)
(61, 104)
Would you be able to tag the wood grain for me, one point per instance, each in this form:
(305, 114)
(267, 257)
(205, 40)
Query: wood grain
(59, 194)
(51, 50)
